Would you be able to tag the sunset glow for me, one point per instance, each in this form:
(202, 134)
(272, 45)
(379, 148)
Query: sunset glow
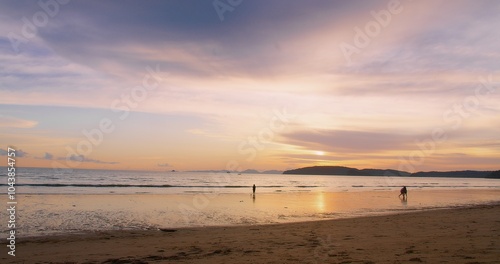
(178, 85)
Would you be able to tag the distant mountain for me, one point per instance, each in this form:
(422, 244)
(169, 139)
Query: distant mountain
(249, 171)
(341, 170)
(453, 174)
(211, 171)
(494, 175)
(272, 172)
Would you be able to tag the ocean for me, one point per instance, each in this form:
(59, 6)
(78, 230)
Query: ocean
(78, 181)
(50, 202)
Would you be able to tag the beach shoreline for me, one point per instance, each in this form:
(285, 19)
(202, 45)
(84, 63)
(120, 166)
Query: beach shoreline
(458, 235)
(47, 214)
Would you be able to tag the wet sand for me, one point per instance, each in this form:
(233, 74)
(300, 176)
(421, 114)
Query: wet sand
(460, 235)
(41, 215)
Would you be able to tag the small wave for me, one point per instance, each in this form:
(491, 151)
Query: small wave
(85, 185)
(91, 185)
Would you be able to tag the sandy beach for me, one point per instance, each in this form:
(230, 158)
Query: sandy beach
(459, 235)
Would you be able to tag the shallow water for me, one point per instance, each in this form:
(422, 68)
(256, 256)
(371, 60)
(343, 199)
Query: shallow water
(44, 214)
(50, 181)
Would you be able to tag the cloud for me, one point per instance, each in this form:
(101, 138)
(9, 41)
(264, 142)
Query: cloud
(261, 38)
(48, 156)
(264, 54)
(21, 153)
(13, 122)
(82, 158)
(90, 48)
(163, 165)
(93, 29)
(18, 152)
(347, 141)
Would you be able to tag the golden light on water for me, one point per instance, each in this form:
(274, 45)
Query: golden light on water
(320, 202)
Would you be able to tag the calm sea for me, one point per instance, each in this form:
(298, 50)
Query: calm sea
(49, 181)
(93, 200)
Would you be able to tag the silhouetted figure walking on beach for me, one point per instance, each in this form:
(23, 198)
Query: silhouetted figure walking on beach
(253, 188)
(404, 193)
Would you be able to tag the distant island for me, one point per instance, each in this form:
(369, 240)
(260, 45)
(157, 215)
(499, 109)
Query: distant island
(341, 170)
(249, 171)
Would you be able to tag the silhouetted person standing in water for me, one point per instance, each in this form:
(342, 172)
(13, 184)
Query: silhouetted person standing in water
(404, 193)
(253, 188)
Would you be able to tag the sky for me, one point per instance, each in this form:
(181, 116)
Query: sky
(234, 85)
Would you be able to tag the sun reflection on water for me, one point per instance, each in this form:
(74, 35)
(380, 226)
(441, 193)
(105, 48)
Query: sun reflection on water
(320, 202)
